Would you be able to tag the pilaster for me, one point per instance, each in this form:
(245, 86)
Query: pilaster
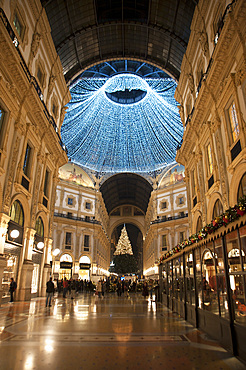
(2, 266)
(4, 220)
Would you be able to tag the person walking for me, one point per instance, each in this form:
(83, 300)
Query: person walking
(12, 289)
(72, 286)
(99, 288)
(65, 287)
(145, 292)
(50, 288)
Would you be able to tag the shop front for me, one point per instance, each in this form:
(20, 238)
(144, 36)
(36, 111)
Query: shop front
(206, 284)
(66, 267)
(12, 254)
(84, 268)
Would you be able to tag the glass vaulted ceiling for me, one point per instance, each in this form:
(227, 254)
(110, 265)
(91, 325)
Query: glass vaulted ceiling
(122, 118)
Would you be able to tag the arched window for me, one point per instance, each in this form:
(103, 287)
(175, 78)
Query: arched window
(84, 259)
(16, 213)
(66, 258)
(242, 187)
(199, 224)
(39, 227)
(218, 209)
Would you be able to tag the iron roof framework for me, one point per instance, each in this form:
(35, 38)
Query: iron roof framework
(87, 32)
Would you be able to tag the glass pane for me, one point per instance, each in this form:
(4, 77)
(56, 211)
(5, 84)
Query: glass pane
(170, 282)
(164, 275)
(198, 276)
(241, 188)
(219, 256)
(238, 284)
(233, 253)
(181, 279)
(242, 233)
(176, 282)
(222, 292)
(190, 283)
(209, 283)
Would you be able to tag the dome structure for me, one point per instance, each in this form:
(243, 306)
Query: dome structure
(123, 122)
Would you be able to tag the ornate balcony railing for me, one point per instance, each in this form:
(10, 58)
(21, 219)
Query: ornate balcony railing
(168, 218)
(75, 218)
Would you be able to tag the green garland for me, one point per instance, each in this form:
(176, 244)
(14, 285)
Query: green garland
(232, 214)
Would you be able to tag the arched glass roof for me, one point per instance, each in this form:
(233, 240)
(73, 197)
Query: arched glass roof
(122, 120)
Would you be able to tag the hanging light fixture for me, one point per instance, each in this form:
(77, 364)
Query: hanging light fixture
(124, 123)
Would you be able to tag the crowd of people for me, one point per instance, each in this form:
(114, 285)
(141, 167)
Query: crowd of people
(71, 287)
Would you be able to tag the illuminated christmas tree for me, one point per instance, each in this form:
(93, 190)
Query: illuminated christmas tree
(124, 244)
(124, 261)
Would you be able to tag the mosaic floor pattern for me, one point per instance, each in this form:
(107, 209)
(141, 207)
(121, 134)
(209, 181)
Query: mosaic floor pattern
(91, 333)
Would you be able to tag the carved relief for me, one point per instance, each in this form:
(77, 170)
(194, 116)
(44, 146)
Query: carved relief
(52, 80)
(240, 75)
(62, 114)
(202, 187)
(191, 82)
(10, 179)
(34, 47)
(203, 39)
(35, 193)
(222, 170)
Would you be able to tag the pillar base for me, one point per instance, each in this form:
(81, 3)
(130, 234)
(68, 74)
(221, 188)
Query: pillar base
(46, 277)
(24, 285)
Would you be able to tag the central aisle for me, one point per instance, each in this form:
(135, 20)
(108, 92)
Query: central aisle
(111, 332)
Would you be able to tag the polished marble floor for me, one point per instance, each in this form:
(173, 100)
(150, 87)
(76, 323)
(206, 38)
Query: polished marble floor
(111, 332)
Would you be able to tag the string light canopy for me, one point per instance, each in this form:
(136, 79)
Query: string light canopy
(125, 121)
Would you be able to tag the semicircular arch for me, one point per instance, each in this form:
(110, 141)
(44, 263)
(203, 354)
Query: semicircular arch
(235, 181)
(196, 216)
(214, 197)
(26, 209)
(44, 218)
(126, 220)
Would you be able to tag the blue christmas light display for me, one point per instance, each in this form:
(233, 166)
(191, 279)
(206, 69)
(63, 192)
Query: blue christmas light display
(124, 123)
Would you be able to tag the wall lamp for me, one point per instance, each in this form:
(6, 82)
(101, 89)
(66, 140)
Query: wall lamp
(14, 234)
(55, 252)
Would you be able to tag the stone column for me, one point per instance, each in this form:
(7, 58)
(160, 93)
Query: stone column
(26, 267)
(46, 265)
(4, 219)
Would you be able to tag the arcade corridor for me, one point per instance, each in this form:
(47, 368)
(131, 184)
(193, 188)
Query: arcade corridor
(112, 332)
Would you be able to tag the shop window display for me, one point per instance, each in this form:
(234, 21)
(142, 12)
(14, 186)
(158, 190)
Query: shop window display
(35, 275)
(236, 249)
(209, 282)
(220, 270)
(8, 273)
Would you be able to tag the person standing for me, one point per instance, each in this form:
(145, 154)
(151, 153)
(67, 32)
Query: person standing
(12, 289)
(50, 288)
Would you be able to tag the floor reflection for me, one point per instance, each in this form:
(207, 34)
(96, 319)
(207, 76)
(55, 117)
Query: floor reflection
(91, 333)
